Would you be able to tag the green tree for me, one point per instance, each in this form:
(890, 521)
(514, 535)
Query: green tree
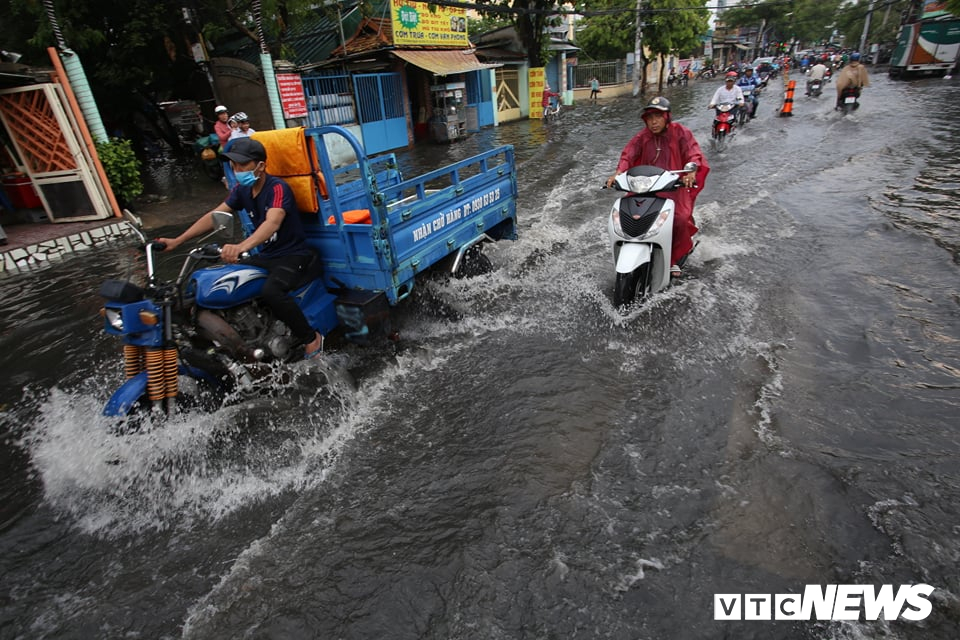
(807, 21)
(608, 36)
(674, 28)
(487, 23)
(137, 53)
(884, 23)
(530, 18)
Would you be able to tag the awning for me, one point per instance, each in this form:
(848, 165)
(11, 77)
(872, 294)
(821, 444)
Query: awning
(742, 47)
(443, 63)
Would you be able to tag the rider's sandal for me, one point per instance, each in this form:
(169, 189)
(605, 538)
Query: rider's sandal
(675, 271)
(316, 352)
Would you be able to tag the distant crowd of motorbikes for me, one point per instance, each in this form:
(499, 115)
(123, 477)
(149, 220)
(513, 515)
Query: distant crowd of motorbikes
(728, 117)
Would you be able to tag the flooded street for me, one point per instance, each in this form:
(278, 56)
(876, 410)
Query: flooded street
(533, 463)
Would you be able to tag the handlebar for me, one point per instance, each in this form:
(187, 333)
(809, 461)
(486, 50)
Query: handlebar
(213, 250)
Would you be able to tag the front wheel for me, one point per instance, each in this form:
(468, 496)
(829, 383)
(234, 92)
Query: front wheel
(196, 389)
(632, 287)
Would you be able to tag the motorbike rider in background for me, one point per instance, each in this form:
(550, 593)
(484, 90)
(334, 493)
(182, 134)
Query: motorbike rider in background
(748, 79)
(222, 127)
(278, 233)
(817, 72)
(546, 100)
(669, 145)
(852, 75)
(729, 93)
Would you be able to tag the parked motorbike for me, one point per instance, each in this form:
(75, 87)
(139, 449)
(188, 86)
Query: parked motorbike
(191, 340)
(706, 73)
(724, 125)
(849, 100)
(640, 231)
(815, 88)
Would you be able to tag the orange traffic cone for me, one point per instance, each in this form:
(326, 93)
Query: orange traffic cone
(787, 108)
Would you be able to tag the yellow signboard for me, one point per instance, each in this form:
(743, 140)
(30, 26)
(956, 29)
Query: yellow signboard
(415, 24)
(536, 78)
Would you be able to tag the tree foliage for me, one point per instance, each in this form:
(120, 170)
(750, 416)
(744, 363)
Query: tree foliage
(671, 26)
(530, 18)
(608, 36)
(884, 25)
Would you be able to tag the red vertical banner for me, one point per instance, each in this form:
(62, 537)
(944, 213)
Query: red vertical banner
(291, 95)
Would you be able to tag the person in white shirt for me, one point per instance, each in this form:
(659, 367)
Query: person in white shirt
(729, 93)
(817, 72)
(243, 129)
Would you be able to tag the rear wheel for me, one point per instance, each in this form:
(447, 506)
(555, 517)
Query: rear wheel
(632, 287)
(474, 263)
(720, 141)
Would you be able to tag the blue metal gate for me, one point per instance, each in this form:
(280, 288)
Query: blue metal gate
(380, 110)
(480, 97)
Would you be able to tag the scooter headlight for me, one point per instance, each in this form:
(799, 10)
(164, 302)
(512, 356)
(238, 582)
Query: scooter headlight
(641, 184)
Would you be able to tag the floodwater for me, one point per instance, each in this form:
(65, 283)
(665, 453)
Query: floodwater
(533, 463)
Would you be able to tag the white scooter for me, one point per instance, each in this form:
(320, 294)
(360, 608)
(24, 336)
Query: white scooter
(640, 230)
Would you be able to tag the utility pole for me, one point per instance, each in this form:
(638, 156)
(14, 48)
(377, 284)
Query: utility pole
(639, 72)
(866, 29)
(759, 41)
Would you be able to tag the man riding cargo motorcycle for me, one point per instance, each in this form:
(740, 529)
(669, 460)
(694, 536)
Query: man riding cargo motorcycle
(278, 238)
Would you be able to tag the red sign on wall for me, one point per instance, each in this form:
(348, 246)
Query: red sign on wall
(291, 95)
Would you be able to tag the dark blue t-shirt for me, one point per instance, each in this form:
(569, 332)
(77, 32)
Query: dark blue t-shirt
(275, 194)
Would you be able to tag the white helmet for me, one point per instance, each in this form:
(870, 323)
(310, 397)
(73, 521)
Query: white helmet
(220, 109)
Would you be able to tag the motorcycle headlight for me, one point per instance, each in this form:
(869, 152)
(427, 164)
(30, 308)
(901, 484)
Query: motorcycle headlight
(115, 318)
(641, 184)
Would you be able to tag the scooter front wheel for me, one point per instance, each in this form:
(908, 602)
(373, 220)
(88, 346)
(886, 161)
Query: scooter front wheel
(632, 287)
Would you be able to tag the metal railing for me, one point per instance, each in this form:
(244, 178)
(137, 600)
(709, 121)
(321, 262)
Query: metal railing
(609, 72)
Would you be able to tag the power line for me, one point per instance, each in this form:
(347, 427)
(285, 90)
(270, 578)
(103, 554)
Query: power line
(495, 8)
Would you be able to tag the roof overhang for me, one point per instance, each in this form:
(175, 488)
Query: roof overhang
(443, 62)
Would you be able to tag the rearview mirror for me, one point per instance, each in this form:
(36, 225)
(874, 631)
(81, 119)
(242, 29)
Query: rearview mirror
(223, 221)
(135, 225)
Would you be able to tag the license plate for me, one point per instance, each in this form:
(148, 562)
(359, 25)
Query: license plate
(850, 100)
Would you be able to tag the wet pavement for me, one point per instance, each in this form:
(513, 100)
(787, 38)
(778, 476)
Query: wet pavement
(535, 463)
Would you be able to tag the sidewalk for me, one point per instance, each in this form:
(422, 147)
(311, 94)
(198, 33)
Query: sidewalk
(35, 245)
